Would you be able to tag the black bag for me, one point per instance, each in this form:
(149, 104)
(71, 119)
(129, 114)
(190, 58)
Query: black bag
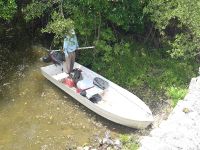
(76, 75)
(57, 57)
(95, 98)
(83, 93)
(102, 84)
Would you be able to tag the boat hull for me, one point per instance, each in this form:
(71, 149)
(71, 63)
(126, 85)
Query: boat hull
(116, 117)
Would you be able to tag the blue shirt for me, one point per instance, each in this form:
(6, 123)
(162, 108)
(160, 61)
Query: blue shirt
(70, 44)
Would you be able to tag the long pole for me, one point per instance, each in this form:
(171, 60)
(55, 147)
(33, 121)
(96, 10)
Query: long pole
(89, 47)
(80, 48)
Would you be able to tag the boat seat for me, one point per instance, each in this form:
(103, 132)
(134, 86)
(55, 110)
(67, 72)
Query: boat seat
(85, 83)
(60, 76)
(92, 91)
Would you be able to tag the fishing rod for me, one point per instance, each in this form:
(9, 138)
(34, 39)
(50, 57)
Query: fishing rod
(80, 48)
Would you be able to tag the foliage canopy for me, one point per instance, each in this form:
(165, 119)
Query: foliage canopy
(104, 23)
(96, 22)
(7, 9)
(178, 22)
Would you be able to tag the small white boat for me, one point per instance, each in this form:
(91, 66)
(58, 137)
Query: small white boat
(117, 104)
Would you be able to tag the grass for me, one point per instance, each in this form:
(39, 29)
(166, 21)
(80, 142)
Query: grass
(129, 142)
(176, 94)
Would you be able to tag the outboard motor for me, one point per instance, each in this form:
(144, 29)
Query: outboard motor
(57, 57)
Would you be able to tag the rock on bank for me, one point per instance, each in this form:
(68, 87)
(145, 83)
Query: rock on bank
(182, 128)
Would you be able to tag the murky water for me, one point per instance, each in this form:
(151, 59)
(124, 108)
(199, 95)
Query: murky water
(35, 114)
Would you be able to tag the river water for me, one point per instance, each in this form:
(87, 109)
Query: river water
(35, 114)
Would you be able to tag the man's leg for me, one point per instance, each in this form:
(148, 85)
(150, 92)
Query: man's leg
(69, 62)
(66, 64)
(72, 60)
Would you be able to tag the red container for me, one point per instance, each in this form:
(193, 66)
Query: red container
(78, 90)
(69, 82)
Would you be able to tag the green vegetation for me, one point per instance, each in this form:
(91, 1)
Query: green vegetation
(7, 9)
(129, 142)
(176, 94)
(178, 24)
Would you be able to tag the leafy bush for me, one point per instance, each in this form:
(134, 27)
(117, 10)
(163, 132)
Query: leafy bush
(177, 22)
(36, 10)
(7, 9)
(59, 26)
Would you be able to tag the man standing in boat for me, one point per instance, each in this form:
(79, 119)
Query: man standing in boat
(70, 45)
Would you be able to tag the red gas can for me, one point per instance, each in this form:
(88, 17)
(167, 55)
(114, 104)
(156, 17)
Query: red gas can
(69, 82)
